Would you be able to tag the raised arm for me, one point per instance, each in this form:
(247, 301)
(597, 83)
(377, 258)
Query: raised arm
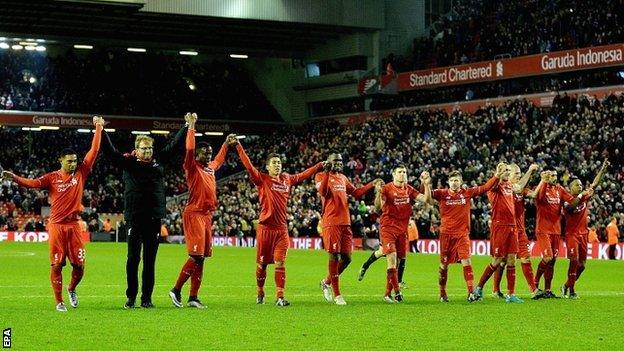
(522, 183)
(189, 146)
(359, 192)
(540, 189)
(218, 161)
(254, 174)
(90, 157)
(491, 183)
(482, 189)
(601, 173)
(308, 173)
(571, 199)
(379, 198)
(323, 185)
(168, 150)
(425, 180)
(111, 152)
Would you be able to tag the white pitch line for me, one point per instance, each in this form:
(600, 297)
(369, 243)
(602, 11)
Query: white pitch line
(17, 254)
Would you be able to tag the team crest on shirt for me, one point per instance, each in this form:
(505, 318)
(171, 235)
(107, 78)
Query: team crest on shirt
(554, 197)
(455, 202)
(339, 187)
(507, 191)
(280, 187)
(62, 187)
(208, 170)
(401, 201)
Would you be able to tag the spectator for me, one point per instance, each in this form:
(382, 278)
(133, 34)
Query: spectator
(613, 235)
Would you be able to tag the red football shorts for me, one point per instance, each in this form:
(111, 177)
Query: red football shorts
(577, 246)
(65, 241)
(523, 244)
(393, 242)
(454, 248)
(503, 240)
(198, 233)
(338, 239)
(549, 244)
(271, 244)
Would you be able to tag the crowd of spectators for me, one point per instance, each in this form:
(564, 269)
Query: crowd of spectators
(137, 84)
(475, 91)
(510, 87)
(478, 30)
(575, 135)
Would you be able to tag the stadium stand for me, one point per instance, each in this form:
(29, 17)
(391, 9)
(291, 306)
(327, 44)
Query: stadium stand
(426, 140)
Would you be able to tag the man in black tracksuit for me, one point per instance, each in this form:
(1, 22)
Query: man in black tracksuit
(144, 207)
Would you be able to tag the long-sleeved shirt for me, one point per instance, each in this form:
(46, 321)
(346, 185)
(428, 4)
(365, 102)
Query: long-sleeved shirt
(65, 189)
(576, 217)
(333, 189)
(549, 202)
(273, 192)
(200, 178)
(144, 181)
(397, 207)
(455, 207)
(501, 198)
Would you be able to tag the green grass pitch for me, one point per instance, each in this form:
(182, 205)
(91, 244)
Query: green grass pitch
(233, 320)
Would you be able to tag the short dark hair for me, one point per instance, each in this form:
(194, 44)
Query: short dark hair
(273, 155)
(202, 144)
(334, 152)
(455, 174)
(574, 178)
(400, 165)
(67, 151)
(550, 169)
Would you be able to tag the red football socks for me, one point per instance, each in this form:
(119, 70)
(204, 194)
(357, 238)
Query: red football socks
(541, 268)
(486, 274)
(548, 275)
(186, 272)
(280, 281)
(56, 277)
(442, 278)
(511, 279)
(527, 270)
(77, 274)
(334, 276)
(260, 278)
(392, 281)
(498, 276)
(196, 279)
(572, 269)
(579, 270)
(469, 278)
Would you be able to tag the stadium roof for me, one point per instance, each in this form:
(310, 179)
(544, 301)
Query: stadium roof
(124, 24)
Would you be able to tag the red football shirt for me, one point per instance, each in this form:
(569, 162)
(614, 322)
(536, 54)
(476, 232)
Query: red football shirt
(333, 189)
(455, 207)
(65, 189)
(501, 198)
(576, 217)
(397, 207)
(273, 192)
(200, 178)
(549, 202)
(520, 210)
